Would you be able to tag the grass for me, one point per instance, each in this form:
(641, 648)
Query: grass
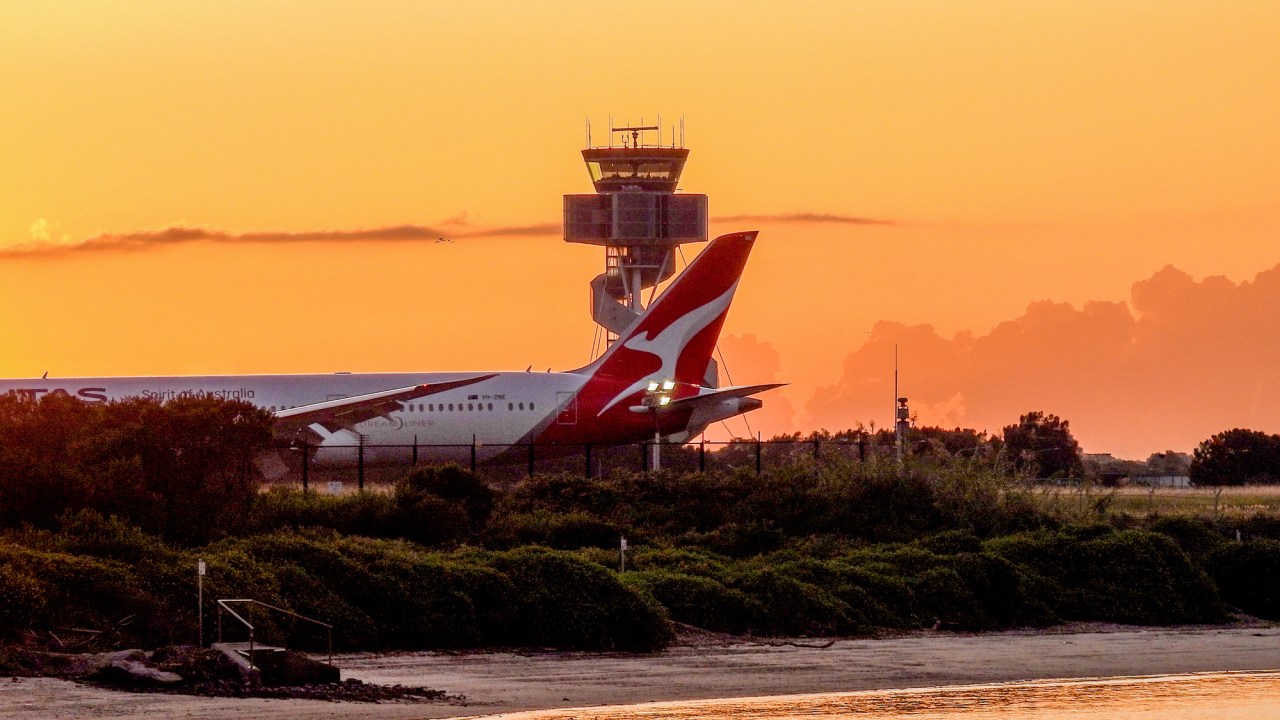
(1139, 501)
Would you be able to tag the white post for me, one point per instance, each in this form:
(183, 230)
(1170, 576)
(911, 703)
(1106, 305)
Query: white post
(200, 570)
(622, 555)
(657, 450)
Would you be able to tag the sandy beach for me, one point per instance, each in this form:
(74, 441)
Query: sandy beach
(495, 683)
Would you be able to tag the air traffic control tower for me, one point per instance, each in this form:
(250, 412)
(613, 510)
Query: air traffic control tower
(639, 218)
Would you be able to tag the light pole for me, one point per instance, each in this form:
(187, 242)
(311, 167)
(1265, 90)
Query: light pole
(657, 396)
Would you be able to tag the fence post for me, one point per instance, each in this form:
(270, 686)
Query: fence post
(702, 455)
(530, 458)
(644, 456)
(862, 447)
(759, 443)
(306, 465)
(473, 454)
(817, 452)
(360, 465)
(588, 453)
(415, 449)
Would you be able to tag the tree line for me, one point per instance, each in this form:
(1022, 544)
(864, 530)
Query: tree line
(105, 508)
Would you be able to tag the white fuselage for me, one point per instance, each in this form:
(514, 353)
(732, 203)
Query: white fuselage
(504, 409)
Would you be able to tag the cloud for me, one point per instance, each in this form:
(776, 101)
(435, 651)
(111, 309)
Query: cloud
(805, 218)
(45, 244)
(1181, 360)
(749, 360)
(44, 232)
(42, 246)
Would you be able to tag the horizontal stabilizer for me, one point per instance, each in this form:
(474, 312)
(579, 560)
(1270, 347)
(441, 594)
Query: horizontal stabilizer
(738, 391)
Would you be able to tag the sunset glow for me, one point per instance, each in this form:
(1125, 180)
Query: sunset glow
(1074, 206)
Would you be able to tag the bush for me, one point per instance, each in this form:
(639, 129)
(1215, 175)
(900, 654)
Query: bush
(699, 601)
(562, 531)
(566, 602)
(22, 599)
(789, 606)
(1197, 538)
(1248, 574)
(453, 484)
(77, 591)
(1130, 576)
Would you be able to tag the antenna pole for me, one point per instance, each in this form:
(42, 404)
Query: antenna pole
(901, 413)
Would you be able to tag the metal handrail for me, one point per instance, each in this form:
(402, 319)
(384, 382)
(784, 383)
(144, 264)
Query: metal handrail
(224, 604)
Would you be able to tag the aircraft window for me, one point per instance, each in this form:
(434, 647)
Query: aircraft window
(431, 407)
(511, 406)
(470, 407)
(521, 406)
(450, 407)
(530, 406)
(491, 406)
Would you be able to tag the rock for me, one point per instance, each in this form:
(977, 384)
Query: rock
(131, 673)
(286, 667)
(93, 664)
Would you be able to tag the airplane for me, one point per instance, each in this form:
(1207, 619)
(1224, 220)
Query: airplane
(647, 383)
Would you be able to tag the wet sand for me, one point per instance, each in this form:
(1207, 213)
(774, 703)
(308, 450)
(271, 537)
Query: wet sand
(701, 669)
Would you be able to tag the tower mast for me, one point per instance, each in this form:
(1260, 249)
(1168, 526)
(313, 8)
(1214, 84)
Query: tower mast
(638, 217)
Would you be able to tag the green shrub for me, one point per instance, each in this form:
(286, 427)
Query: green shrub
(688, 561)
(737, 540)
(565, 602)
(1003, 594)
(1248, 575)
(1197, 537)
(82, 592)
(1130, 576)
(563, 531)
(453, 484)
(22, 599)
(699, 601)
(885, 600)
(792, 607)
(950, 542)
(940, 592)
(422, 600)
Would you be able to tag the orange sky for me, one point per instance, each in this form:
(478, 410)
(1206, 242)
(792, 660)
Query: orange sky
(1024, 152)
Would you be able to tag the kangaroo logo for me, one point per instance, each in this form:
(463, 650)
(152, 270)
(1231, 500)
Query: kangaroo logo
(669, 344)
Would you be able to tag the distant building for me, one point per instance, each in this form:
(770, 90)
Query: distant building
(1169, 481)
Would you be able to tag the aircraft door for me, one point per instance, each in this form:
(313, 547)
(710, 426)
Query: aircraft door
(567, 402)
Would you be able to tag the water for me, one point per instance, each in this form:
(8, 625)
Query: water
(1206, 696)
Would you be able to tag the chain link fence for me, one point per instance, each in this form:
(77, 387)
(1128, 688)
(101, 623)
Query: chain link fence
(339, 468)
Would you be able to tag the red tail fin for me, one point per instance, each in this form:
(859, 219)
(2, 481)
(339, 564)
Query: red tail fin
(674, 338)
